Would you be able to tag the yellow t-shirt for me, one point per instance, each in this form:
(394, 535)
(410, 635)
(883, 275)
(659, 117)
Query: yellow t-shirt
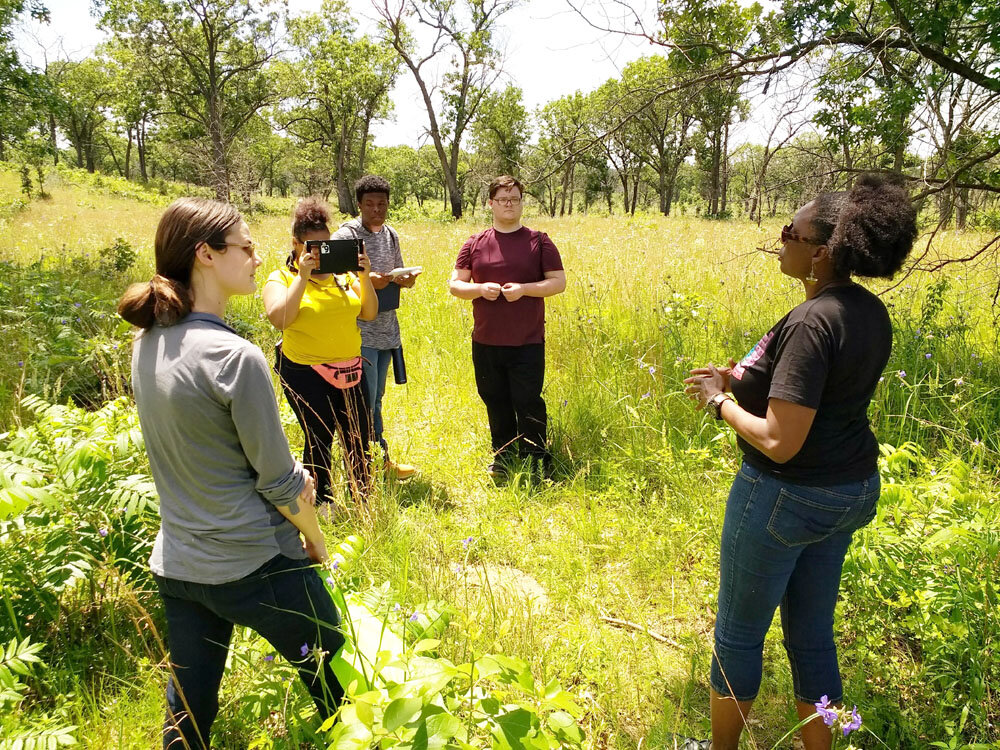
(326, 329)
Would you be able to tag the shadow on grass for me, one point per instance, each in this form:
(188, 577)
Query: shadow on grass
(421, 490)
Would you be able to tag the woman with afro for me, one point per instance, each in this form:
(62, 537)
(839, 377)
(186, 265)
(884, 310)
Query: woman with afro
(318, 359)
(809, 477)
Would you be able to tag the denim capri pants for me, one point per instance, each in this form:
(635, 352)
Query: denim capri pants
(784, 545)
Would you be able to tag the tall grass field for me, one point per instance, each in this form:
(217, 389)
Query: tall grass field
(570, 612)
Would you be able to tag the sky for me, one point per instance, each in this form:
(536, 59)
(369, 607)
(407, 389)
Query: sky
(550, 52)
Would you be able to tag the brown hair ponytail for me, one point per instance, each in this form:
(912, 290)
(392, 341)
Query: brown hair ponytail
(167, 297)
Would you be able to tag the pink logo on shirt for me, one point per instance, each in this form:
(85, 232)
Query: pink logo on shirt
(751, 358)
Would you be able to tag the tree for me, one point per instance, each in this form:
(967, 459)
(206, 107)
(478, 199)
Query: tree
(339, 86)
(664, 120)
(208, 60)
(82, 89)
(500, 132)
(21, 89)
(463, 30)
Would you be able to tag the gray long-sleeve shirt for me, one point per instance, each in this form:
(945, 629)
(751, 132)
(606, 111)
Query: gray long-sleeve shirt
(219, 457)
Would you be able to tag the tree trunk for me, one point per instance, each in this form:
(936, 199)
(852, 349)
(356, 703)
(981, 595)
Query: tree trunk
(713, 192)
(724, 180)
(220, 170)
(635, 193)
(111, 151)
(345, 201)
(52, 139)
(140, 145)
(128, 154)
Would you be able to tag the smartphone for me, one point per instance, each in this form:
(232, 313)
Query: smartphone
(336, 256)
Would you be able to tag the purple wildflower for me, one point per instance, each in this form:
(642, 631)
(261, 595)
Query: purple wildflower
(828, 714)
(102, 531)
(927, 356)
(20, 363)
(652, 370)
(336, 565)
(329, 580)
(396, 608)
(414, 617)
(644, 395)
(901, 373)
(269, 657)
(466, 542)
(77, 304)
(854, 723)
(304, 650)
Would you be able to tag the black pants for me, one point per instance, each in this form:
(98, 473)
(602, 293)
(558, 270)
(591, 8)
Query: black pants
(284, 600)
(509, 380)
(325, 414)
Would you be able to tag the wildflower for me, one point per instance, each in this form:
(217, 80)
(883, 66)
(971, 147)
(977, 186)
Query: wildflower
(77, 304)
(927, 356)
(652, 370)
(975, 443)
(115, 346)
(336, 564)
(933, 472)
(901, 373)
(823, 708)
(396, 608)
(854, 723)
(102, 531)
(20, 363)
(466, 542)
(329, 580)
(414, 617)
(304, 650)
(565, 402)
(269, 657)
(644, 395)
(960, 381)
(881, 379)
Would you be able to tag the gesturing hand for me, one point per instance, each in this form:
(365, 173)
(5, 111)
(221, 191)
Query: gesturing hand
(512, 292)
(705, 383)
(725, 372)
(490, 290)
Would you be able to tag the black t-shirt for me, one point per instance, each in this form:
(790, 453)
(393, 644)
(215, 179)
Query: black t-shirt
(827, 354)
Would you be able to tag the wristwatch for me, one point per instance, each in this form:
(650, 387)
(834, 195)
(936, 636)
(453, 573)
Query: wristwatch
(714, 405)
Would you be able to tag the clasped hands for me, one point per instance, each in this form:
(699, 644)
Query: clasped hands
(511, 291)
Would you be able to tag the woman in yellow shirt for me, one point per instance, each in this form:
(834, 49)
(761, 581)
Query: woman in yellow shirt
(319, 358)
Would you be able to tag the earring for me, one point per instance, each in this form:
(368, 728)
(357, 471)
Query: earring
(811, 278)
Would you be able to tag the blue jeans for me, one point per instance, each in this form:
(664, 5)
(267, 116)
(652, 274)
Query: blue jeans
(375, 371)
(784, 545)
(284, 600)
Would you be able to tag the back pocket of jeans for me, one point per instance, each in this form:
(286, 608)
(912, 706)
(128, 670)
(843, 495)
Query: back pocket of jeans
(798, 520)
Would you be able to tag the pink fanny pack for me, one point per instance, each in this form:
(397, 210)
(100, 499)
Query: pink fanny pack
(343, 375)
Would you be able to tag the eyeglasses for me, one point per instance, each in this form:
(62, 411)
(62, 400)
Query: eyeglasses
(787, 234)
(507, 201)
(248, 249)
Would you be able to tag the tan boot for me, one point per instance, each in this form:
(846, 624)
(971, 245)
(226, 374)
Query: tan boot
(402, 471)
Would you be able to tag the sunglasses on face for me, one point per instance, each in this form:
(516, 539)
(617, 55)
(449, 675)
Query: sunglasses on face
(787, 234)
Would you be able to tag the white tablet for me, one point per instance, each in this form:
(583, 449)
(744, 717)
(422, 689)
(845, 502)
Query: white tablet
(410, 270)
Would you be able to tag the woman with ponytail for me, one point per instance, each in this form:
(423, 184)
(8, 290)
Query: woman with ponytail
(233, 501)
(318, 359)
(809, 477)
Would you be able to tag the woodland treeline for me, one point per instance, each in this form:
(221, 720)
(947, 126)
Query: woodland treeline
(241, 97)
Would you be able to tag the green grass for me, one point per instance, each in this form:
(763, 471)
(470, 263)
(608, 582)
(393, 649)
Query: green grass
(630, 528)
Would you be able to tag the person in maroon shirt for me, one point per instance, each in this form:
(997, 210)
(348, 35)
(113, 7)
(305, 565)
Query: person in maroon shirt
(506, 271)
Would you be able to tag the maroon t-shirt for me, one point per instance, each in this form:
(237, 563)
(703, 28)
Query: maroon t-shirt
(521, 257)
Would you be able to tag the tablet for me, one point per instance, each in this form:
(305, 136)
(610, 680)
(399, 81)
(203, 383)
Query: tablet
(336, 256)
(409, 270)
